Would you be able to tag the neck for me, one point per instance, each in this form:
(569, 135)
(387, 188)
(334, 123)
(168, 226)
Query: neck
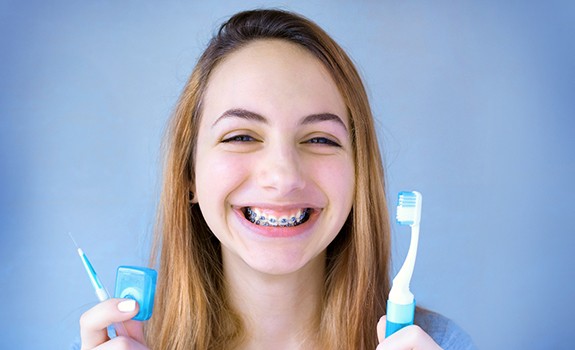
(278, 311)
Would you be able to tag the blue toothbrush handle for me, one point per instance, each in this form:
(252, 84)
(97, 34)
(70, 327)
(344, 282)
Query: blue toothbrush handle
(398, 316)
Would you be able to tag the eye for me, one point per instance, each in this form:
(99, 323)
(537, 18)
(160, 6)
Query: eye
(323, 141)
(239, 138)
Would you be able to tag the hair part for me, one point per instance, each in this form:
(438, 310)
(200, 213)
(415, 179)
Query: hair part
(191, 307)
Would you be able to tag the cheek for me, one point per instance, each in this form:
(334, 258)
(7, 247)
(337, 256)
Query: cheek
(338, 178)
(216, 173)
(217, 176)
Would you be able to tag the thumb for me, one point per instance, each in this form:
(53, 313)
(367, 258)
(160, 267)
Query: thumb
(381, 328)
(131, 328)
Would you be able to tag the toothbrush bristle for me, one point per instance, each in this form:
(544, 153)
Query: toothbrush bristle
(73, 240)
(409, 208)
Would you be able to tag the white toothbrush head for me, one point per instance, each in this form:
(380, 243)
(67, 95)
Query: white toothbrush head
(409, 208)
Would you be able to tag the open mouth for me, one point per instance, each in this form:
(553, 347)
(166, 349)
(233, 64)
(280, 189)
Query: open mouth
(264, 218)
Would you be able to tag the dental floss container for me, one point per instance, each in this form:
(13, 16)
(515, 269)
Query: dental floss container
(138, 283)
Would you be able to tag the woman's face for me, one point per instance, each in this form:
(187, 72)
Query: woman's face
(274, 171)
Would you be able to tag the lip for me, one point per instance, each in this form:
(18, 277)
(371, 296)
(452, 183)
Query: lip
(277, 232)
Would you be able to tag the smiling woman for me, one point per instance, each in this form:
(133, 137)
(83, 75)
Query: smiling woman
(277, 161)
(273, 230)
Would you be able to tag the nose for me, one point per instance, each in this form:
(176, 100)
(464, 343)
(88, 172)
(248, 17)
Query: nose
(280, 169)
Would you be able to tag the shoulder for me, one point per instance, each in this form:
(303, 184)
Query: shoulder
(444, 331)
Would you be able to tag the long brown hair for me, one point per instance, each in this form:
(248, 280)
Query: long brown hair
(191, 309)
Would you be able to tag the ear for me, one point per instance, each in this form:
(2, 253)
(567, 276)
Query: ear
(193, 197)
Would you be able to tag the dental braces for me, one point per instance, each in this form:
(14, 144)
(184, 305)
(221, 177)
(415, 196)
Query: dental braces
(283, 222)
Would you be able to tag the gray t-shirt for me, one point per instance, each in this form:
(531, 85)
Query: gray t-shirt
(444, 331)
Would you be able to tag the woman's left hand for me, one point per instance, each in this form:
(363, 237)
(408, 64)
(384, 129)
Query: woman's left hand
(408, 338)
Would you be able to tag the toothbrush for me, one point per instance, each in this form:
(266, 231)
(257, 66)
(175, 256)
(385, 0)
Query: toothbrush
(101, 292)
(401, 303)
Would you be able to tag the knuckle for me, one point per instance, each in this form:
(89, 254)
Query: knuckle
(84, 320)
(416, 332)
(122, 343)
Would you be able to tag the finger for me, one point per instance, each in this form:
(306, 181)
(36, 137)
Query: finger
(122, 343)
(407, 338)
(381, 328)
(94, 322)
(136, 330)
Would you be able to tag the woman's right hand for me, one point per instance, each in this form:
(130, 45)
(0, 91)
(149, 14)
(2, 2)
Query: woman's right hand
(407, 338)
(94, 324)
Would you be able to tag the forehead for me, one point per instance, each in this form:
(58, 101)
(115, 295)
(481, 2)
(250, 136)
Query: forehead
(273, 76)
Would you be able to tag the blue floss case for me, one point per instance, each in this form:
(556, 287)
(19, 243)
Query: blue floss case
(138, 283)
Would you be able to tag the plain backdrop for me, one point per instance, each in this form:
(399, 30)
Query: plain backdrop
(474, 103)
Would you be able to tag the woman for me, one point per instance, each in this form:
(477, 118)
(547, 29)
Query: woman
(273, 227)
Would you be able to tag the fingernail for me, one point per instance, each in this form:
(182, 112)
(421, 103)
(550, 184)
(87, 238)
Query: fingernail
(127, 305)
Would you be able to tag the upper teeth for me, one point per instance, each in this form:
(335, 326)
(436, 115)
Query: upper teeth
(260, 217)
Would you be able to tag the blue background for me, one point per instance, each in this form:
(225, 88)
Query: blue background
(474, 105)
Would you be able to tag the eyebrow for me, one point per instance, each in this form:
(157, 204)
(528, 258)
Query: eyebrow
(243, 114)
(248, 115)
(314, 118)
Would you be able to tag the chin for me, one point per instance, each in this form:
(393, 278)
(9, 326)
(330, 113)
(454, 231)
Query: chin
(277, 262)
